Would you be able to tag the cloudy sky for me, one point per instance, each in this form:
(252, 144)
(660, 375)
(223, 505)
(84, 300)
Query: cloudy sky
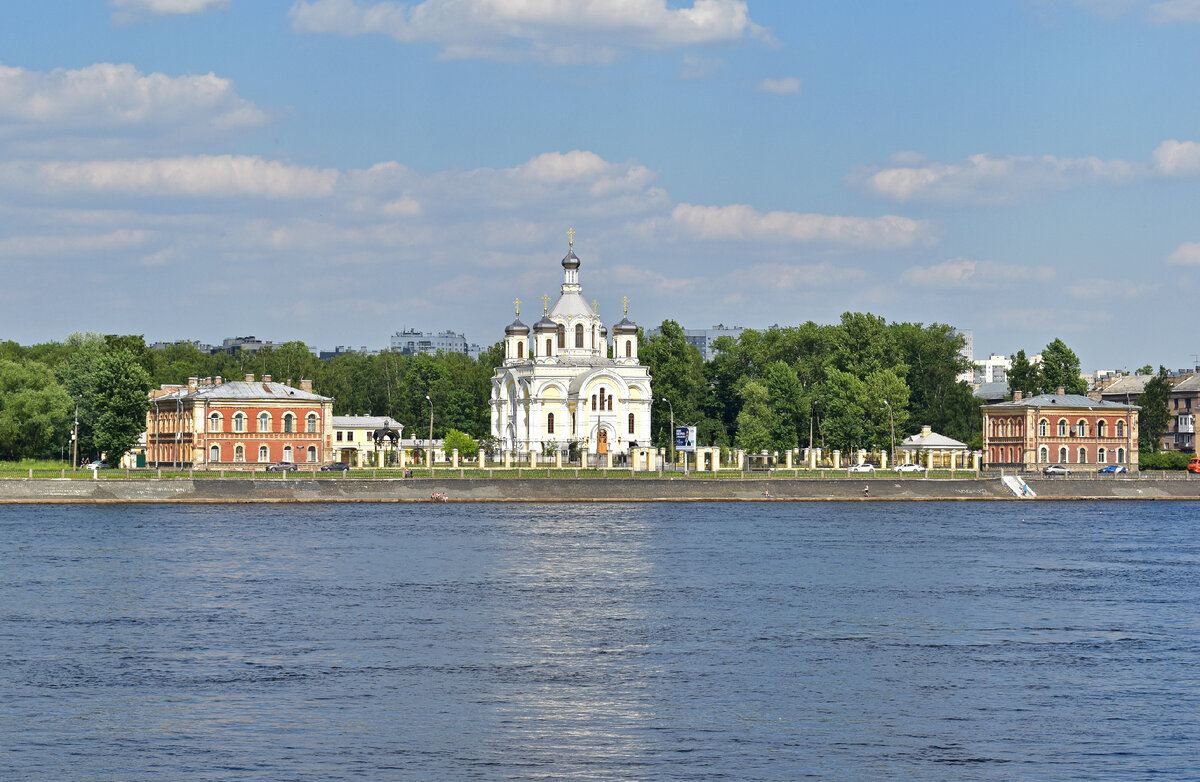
(335, 170)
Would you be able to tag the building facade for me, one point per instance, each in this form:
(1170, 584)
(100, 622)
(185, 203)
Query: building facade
(411, 342)
(1069, 429)
(564, 381)
(213, 424)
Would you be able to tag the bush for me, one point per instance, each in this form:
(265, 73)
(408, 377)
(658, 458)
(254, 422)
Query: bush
(1167, 460)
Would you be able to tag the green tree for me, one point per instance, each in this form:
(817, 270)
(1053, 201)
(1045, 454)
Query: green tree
(120, 387)
(1023, 376)
(35, 411)
(1060, 368)
(789, 406)
(466, 445)
(755, 422)
(677, 373)
(1145, 370)
(1154, 419)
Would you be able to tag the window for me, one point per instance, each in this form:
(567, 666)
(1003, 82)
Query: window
(239, 453)
(572, 422)
(610, 402)
(1062, 427)
(264, 422)
(629, 348)
(1121, 430)
(339, 437)
(1101, 456)
(287, 453)
(549, 352)
(631, 423)
(262, 453)
(214, 422)
(311, 423)
(550, 423)
(602, 397)
(593, 401)
(562, 336)
(1043, 427)
(1081, 428)
(579, 335)
(1043, 454)
(289, 422)
(214, 454)
(239, 422)
(520, 350)
(350, 436)
(1082, 456)
(1101, 428)
(1120, 456)
(1062, 455)
(312, 454)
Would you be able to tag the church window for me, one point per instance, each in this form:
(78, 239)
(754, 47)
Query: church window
(610, 401)
(549, 344)
(549, 423)
(572, 422)
(628, 348)
(631, 423)
(578, 335)
(593, 401)
(562, 336)
(520, 350)
(601, 397)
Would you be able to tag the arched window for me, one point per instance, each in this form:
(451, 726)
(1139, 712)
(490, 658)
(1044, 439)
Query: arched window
(1121, 430)
(312, 454)
(578, 335)
(629, 348)
(1081, 428)
(1101, 456)
(1043, 454)
(1043, 428)
(549, 423)
(239, 453)
(262, 453)
(289, 422)
(1120, 456)
(562, 336)
(610, 401)
(601, 397)
(520, 350)
(264, 422)
(1012, 456)
(1062, 455)
(631, 423)
(1062, 427)
(593, 401)
(239, 422)
(1101, 428)
(287, 453)
(311, 423)
(1082, 456)
(214, 454)
(549, 347)
(214, 422)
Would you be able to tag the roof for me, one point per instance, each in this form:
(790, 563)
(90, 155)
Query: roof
(243, 389)
(997, 390)
(1189, 383)
(626, 326)
(366, 422)
(1065, 401)
(932, 440)
(571, 305)
(1130, 384)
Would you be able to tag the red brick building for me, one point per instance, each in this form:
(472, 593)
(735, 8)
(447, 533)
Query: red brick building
(1069, 429)
(244, 424)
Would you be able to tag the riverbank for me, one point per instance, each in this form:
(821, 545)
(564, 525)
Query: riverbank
(650, 489)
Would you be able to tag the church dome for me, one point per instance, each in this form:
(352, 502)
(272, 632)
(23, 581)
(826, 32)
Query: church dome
(516, 327)
(545, 324)
(604, 331)
(626, 326)
(570, 260)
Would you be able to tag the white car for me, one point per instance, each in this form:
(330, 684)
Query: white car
(861, 468)
(917, 468)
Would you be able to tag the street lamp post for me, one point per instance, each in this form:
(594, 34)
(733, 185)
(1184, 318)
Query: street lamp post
(892, 421)
(75, 436)
(430, 401)
(672, 437)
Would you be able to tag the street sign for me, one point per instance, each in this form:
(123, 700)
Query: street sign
(685, 438)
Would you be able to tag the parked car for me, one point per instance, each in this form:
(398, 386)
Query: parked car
(281, 467)
(96, 466)
(335, 467)
(1055, 469)
(861, 468)
(1113, 469)
(1194, 464)
(917, 468)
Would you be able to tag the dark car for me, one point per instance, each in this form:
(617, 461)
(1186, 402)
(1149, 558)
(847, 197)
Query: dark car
(1055, 469)
(281, 467)
(335, 467)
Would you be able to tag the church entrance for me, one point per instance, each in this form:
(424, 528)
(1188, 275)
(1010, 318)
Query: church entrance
(602, 442)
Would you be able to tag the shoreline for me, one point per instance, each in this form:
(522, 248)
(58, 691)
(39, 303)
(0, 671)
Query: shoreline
(23, 491)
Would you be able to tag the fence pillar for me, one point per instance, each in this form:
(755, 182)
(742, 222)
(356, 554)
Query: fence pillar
(532, 458)
(837, 460)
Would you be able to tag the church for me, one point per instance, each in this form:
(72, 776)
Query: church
(564, 381)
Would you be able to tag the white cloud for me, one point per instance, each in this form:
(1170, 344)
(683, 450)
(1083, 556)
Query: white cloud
(109, 97)
(166, 7)
(789, 85)
(1172, 11)
(1155, 11)
(58, 244)
(216, 176)
(967, 274)
(1177, 158)
(1186, 254)
(509, 30)
(744, 223)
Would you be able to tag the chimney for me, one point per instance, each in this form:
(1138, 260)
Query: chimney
(1060, 390)
(266, 378)
(218, 380)
(1017, 396)
(306, 385)
(926, 430)
(250, 377)
(193, 384)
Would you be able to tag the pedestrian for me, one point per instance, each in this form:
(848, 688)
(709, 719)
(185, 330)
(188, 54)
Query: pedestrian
(867, 490)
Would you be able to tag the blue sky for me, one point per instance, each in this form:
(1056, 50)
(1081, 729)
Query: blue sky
(335, 170)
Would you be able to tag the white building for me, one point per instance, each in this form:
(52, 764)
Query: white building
(558, 383)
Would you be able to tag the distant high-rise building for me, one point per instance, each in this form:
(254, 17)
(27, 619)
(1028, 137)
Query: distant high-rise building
(411, 342)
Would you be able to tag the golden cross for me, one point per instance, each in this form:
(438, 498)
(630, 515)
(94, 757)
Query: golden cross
(625, 301)
(595, 305)
(571, 237)
(545, 303)
(517, 304)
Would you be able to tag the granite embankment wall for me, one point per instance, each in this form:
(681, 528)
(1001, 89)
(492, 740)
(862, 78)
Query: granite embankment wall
(337, 489)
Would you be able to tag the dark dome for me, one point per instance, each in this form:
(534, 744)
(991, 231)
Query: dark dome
(626, 326)
(571, 260)
(545, 324)
(516, 327)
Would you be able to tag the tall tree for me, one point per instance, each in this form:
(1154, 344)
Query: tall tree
(755, 422)
(120, 385)
(35, 411)
(1060, 368)
(1154, 419)
(677, 373)
(1023, 376)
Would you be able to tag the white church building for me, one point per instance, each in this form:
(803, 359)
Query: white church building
(558, 383)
